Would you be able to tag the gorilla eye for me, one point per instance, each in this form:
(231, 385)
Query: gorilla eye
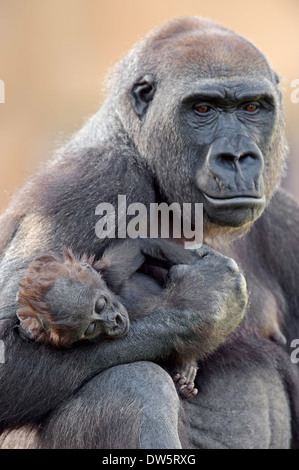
(251, 107)
(202, 108)
(90, 329)
(100, 305)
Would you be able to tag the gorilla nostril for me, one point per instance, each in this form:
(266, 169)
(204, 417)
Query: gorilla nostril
(227, 159)
(246, 157)
(118, 320)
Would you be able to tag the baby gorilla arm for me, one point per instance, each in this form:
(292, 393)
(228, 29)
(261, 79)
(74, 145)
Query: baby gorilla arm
(122, 259)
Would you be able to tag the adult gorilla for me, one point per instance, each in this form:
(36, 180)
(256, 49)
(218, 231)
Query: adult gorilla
(193, 114)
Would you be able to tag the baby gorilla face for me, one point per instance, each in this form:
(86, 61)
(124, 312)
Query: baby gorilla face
(109, 317)
(85, 308)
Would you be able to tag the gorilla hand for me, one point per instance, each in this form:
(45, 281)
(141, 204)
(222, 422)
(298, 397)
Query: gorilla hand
(212, 292)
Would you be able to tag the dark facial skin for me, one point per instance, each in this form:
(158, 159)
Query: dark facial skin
(225, 126)
(228, 126)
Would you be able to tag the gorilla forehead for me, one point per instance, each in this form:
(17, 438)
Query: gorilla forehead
(209, 56)
(201, 46)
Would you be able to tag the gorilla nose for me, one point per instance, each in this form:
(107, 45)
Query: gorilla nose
(238, 158)
(116, 324)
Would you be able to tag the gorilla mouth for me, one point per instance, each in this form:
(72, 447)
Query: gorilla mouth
(236, 201)
(234, 211)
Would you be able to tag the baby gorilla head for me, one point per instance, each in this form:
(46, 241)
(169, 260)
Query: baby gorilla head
(66, 300)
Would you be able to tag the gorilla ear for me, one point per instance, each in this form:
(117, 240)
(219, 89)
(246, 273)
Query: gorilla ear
(142, 94)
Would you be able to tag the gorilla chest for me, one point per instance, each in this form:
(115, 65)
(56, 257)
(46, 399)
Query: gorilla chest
(267, 304)
(266, 308)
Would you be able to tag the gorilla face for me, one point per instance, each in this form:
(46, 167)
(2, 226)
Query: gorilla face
(211, 125)
(227, 127)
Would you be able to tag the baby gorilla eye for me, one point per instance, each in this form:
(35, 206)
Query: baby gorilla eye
(100, 305)
(90, 329)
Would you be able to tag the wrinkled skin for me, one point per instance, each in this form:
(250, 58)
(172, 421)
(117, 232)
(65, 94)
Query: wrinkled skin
(193, 114)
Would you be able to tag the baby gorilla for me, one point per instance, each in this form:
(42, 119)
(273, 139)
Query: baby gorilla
(100, 295)
(93, 311)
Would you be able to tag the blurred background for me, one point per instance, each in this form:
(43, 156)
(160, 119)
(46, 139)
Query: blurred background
(55, 54)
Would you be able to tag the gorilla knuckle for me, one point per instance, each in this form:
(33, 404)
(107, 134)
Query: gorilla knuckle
(179, 270)
(232, 265)
(241, 290)
(241, 283)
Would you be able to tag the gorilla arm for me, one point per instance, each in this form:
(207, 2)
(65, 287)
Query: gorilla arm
(40, 378)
